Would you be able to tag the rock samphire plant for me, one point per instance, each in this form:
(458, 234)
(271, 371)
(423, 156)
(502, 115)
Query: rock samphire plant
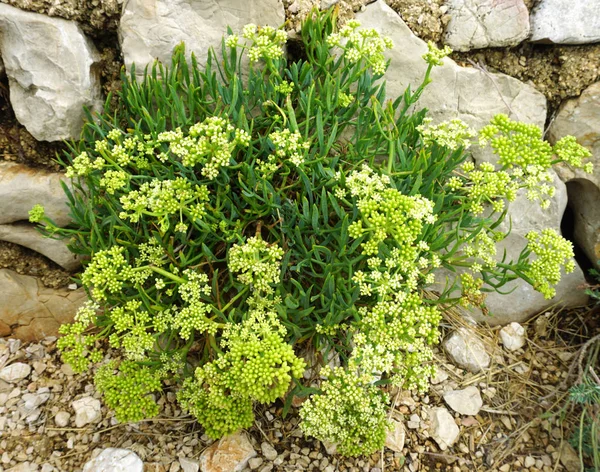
(236, 216)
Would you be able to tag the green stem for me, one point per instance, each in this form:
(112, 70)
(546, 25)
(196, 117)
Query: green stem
(231, 302)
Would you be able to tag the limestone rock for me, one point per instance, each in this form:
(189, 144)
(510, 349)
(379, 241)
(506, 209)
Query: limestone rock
(455, 92)
(115, 460)
(474, 96)
(50, 66)
(188, 465)
(580, 117)
(14, 373)
(513, 336)
(229, 454)
(62, 419)
(32, 311)
(26, 235)
(268, 451)
(572, 22)
(569, 458)
(150, 30)
(466, 402)
(25, 187)
(476, 24)
(87, 410)
(395, 438)
(467, 351)
(443, 429)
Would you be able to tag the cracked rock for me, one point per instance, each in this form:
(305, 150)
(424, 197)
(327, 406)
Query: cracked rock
(50, 66)
(467, 351)
(476, 24)
(566, 22)
(87, 410)
(14, 373)
(443, 429)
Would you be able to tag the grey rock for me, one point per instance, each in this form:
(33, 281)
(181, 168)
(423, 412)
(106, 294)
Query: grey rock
(580, 117)
(268, 451)
(24, 234)
(87, 410)
(150, 30)
(474, 96)
(14, 373)
(566, 22)
(442, 428)
(467, 93)
(50, 66)
(476, 24)
(188, 465)
(62, 419)
(466, 350)
(513, 336)
(396, 436)
(466, 402)
(115, 460)
(25, 187)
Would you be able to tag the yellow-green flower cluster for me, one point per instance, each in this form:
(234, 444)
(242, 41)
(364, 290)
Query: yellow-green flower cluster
(394, 337)
(130, 324)
(451, 134)
(75, 347)
(570, 151)
(106, 272)
(211, 143)
(362, 45)
(290, 146)
(161, 198)
(256, 263)
(484, 185)
(256, 365)
(194, 316)
(345, 99)
(435, 56)
(36, 213)
(553, 252)
(348, 413)
(285, 87)
(517, 144)
(482, 251)
(128, 391)
(267, 42)
(471, 290)
(391, 215)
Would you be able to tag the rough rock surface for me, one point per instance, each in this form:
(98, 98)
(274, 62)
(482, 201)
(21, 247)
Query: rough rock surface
(26, 235)
(455, 92)
(466, 350)
(24, 187)
(476, 24)
(443, 429)
(566, 22)
(87, 410)
(513, 336)
(229, 454)
(50, 67)
(396, 436)
(115, 460)
(466, 402)
(40, 310)
(150, 30)
(474, 96)
(580, 117)
(14, 373)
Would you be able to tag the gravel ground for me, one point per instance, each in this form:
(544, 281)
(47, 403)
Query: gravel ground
(39, 431)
